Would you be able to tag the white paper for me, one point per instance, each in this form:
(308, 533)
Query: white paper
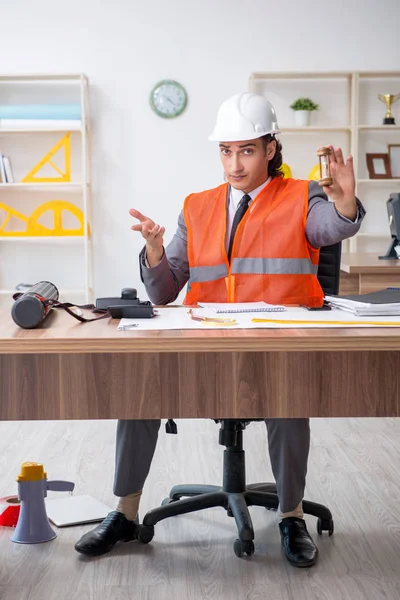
(179, 318)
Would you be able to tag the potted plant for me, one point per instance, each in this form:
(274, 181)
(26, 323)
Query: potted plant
(302, 109)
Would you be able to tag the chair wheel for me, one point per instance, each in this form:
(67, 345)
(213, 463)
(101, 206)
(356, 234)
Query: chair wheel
(167, 501)
(145, 533)
(240, 548)
(325, 525)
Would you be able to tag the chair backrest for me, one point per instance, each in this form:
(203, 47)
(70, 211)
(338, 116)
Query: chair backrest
(329, 268)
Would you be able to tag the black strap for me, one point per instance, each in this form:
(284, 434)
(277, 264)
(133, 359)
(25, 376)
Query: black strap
(239, 214)
(67, 305)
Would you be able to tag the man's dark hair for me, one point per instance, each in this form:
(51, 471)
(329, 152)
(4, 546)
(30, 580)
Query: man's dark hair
(274, 164)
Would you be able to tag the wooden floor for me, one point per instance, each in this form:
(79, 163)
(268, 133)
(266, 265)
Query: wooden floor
(353, 467)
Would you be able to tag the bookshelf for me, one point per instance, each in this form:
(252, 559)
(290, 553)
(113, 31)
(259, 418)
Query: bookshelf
(66, 260)
(350, 116)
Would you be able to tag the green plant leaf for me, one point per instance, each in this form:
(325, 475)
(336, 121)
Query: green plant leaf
(304, 104)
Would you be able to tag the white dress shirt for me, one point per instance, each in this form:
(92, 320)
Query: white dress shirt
(235, 197)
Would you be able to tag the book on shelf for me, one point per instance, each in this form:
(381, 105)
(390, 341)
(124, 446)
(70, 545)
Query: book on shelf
(2, 170)
(8, 169)
(6, 172)
(65, 111)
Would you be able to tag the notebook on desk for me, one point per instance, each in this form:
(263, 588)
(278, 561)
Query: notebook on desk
(241, 307)
(382, 302)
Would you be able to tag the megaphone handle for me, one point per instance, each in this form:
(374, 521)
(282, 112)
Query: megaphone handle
(60, 486)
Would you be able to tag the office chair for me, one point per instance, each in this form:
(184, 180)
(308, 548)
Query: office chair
(234, 495)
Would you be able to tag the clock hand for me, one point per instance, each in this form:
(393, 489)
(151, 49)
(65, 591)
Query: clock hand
(170, 101)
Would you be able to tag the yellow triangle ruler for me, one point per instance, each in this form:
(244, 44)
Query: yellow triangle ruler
(65, 176)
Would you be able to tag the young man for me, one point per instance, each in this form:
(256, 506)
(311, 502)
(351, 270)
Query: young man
(254, 238)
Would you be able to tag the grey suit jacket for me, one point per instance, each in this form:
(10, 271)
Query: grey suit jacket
(324, 226)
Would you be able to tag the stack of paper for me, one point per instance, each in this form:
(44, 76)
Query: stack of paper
(381, 303)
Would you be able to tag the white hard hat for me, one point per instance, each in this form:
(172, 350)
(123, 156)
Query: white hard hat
(244, 116)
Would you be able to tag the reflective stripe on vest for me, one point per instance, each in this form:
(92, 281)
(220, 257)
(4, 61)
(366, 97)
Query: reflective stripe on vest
(255, 266)
(202, 274)
(274, 266)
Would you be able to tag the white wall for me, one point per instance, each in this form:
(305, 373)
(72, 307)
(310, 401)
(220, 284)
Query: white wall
(126, 46)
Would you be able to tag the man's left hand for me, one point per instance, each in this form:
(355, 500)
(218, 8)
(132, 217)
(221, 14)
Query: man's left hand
(343, 189)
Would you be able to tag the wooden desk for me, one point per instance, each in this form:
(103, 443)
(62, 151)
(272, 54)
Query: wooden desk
(364, 273)
(68, 370)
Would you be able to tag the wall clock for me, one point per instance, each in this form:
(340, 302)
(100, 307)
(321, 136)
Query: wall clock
(168, 99)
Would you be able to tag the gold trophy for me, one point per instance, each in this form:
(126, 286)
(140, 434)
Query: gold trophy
(389, 100)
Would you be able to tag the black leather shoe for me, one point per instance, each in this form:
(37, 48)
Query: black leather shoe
(298, 545)
(115, 528)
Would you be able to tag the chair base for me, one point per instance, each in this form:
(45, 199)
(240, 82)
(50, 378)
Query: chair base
(184, 499)
(234, 496)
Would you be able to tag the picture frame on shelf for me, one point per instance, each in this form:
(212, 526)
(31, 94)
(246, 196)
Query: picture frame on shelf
(394, 159)
(378, 166)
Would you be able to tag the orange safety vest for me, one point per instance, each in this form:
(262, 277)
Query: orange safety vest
(271, 260)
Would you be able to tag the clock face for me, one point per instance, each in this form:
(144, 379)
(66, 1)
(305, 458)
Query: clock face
(168, 99)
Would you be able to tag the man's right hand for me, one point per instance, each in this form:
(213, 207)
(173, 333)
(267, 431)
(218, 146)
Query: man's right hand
(153, 234)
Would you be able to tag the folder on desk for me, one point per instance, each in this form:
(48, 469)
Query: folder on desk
(381, 303)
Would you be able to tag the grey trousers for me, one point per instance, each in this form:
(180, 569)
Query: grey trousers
(288, 442)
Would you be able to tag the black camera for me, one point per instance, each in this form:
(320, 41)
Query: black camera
(128, 306)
